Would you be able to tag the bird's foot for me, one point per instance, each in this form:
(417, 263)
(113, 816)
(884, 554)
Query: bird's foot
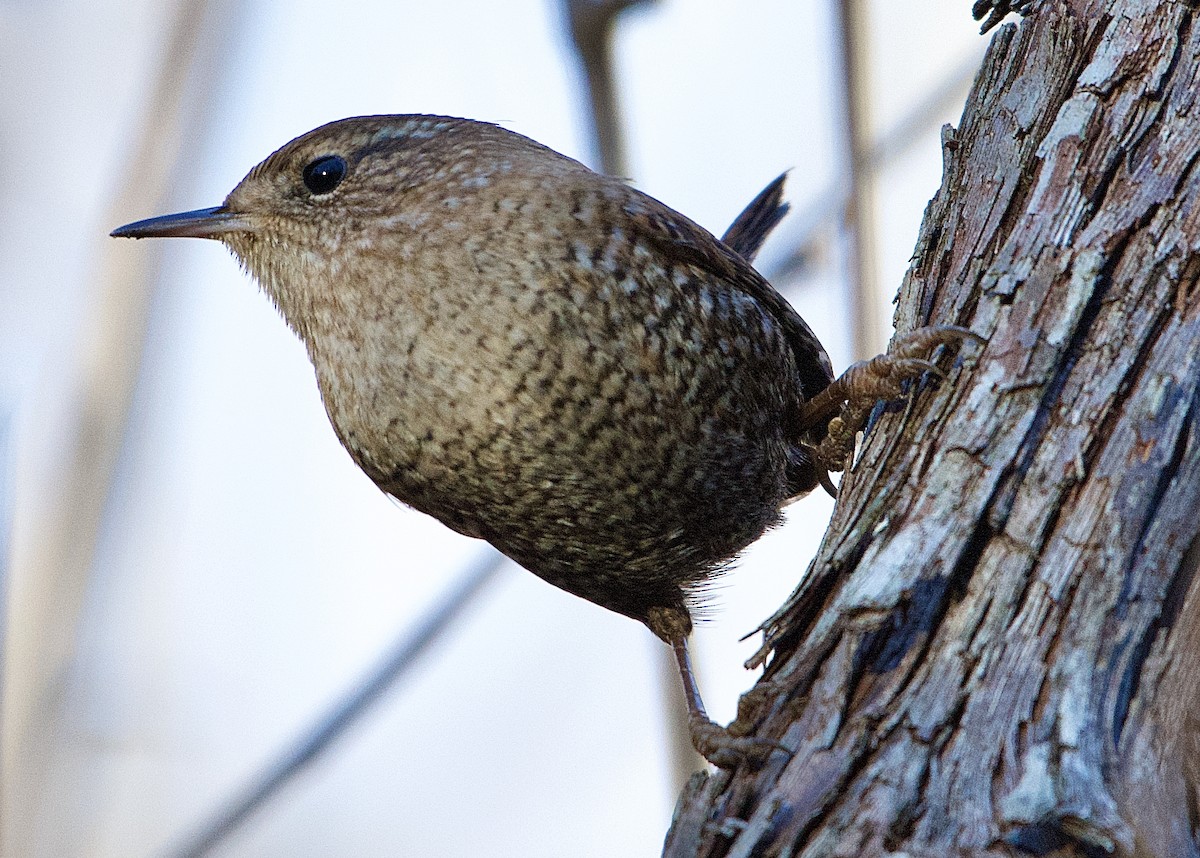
(725, 750)
(841, 409)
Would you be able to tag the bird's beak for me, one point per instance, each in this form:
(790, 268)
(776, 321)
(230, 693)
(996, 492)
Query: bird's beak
(202, 223)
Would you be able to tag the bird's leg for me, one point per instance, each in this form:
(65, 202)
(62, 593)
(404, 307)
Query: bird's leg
(714, 742)
(839, 411)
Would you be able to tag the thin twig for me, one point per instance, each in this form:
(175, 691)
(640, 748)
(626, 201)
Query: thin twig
(350, 708)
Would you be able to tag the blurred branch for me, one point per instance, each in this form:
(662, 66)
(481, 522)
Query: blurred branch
(352, 706)
(819, 215)
(591, 24)
(859, 214)
(6, 510)
(63, 540)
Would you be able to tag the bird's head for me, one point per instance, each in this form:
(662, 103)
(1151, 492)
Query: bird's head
(349, 192)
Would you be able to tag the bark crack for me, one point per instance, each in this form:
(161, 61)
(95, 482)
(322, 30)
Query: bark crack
(1014, 475)
(1131, 676)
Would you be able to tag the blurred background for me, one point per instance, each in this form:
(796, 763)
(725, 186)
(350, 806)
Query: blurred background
(218, 637)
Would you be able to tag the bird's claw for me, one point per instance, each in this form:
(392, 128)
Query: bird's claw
(839, 411)
(726, 751)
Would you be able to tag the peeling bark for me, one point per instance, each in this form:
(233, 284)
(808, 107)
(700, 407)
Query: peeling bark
(996, 650)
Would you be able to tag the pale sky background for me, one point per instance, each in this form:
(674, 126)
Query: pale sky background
(245, 574)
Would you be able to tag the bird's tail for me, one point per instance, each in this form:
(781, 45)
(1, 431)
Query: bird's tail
(750, 229)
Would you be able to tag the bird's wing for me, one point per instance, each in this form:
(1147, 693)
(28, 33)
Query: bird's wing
(679, 238)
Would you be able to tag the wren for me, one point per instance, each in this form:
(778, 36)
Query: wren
(546, 358)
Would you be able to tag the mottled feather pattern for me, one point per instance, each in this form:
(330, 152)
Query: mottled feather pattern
(558, 363)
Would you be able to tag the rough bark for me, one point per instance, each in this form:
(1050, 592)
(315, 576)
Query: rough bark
(996, 650)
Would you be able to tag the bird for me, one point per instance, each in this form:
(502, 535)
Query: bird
(546, 358)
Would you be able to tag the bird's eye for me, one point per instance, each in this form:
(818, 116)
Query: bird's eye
(324, 174)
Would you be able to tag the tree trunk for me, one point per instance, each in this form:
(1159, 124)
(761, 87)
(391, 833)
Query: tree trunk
(997, 649)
